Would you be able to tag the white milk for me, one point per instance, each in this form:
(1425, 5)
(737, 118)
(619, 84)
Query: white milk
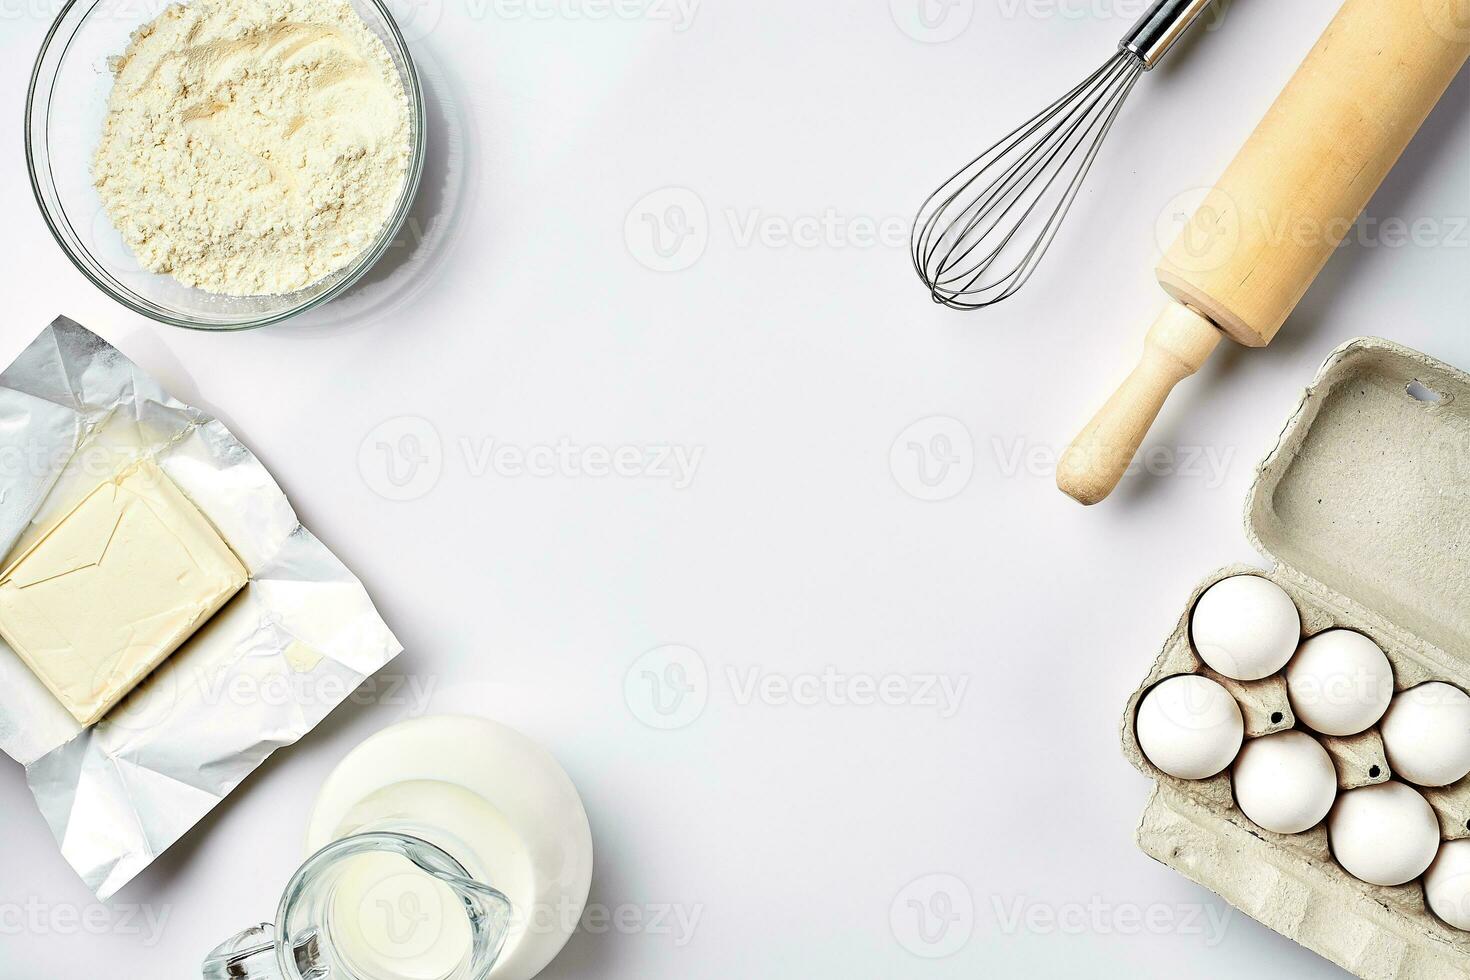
(389, 920)
(402, 924)
(488, 796)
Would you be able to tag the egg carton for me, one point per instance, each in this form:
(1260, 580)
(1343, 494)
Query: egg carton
(1364, 509)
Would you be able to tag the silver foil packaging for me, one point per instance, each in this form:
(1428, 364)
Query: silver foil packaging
(261, 673)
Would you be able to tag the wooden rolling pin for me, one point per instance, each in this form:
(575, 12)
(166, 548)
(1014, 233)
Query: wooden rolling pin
(1246, 258)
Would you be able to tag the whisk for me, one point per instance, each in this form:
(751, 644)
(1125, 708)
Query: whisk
(981, 235)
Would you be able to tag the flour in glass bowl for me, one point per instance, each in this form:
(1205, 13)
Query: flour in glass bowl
(253, 147)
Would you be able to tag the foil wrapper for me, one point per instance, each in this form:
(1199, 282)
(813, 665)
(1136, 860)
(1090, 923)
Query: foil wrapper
(265, 670)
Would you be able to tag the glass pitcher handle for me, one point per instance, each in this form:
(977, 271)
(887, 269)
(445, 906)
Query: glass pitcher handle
(249, 956)
(252, 956)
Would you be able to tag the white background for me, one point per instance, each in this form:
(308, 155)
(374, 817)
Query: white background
(519, 312)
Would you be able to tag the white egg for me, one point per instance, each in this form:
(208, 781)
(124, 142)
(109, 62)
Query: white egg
(1285, 783)
(1427, 734)
(1190, 727)
(1447, 885)
(1385, 834)
(1340, 683)
(1246, 627)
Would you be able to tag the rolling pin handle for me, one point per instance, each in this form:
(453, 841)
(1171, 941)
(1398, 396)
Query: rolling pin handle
(1178, 344)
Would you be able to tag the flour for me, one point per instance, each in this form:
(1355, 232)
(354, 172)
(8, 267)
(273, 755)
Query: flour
(253, 147)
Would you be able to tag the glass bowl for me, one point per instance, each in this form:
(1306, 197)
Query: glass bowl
(65, 109)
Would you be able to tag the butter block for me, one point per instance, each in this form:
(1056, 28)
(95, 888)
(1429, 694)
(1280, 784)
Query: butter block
(113, 588)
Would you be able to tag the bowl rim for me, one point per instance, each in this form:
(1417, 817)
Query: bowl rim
(389, 232)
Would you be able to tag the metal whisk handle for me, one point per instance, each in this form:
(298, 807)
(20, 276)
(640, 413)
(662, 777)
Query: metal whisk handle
(1157, 30)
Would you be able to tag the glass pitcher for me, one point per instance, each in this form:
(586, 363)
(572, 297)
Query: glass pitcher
(374, 906)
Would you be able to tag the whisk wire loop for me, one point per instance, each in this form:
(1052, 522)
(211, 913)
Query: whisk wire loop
(982, 234)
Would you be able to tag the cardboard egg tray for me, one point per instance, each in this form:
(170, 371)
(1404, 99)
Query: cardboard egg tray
(1364, 508)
